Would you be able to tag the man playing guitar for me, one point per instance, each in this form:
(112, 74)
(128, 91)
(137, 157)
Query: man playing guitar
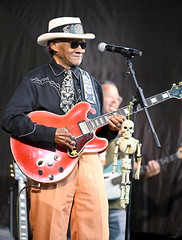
(61, 152)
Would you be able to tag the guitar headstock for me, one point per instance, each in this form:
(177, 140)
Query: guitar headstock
(16, 173)
(176, 91)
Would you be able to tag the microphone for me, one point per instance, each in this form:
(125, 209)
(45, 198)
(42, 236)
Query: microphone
(127, 52)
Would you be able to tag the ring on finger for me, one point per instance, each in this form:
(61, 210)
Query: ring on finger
(118, 125)
(72, 137)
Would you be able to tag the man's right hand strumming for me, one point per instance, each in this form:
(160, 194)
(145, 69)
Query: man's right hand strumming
(64, 138)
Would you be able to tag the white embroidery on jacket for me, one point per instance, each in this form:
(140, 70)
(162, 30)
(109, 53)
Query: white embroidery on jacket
(46, 80)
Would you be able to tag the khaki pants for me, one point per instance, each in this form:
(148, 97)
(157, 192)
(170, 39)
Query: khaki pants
(81, 197)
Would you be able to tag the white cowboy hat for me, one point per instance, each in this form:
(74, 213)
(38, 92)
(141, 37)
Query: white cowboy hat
(64, 27)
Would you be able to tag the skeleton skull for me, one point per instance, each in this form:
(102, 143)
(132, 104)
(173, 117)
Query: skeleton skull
(127, 129)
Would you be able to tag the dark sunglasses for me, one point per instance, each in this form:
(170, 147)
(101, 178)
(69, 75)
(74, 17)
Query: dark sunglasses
(76, 44)
(73, 43)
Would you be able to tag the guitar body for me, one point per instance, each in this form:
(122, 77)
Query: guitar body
(52, 165)
(113, 181)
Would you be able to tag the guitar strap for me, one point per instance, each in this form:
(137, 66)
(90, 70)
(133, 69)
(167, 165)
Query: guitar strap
(88, 94)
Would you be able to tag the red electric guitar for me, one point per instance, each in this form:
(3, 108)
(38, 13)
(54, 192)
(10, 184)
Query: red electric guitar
(52, 165)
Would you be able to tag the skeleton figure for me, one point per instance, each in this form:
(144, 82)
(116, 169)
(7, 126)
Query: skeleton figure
(128, 145)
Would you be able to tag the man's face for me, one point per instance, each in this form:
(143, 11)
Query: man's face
(112, 100)
(66, 55)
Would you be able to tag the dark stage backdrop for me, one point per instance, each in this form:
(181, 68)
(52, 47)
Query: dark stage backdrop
(154, 27)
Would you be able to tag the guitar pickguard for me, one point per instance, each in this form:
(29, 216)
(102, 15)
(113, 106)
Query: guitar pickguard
(81, 141)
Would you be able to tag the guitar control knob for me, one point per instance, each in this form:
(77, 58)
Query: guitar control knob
(61, 169)
(40, 172)
(56, 157)
(51, 177)
(49, 163)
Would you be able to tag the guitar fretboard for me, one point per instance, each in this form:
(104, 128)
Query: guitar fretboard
(128, 110)
(23, 225)
(161, 161)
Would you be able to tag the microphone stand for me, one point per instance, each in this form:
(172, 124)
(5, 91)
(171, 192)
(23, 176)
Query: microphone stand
(140, 99)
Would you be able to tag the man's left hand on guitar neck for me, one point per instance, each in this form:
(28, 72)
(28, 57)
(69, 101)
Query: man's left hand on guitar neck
(115, 121)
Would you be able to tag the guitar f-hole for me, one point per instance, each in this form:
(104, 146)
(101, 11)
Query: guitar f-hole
(40, 162)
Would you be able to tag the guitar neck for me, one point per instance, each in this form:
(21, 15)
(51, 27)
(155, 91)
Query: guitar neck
(161, 161)
(128, 110)
(23, 225)
(22, 201)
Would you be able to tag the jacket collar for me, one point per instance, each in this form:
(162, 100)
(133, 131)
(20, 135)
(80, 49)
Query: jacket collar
(59, 70)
